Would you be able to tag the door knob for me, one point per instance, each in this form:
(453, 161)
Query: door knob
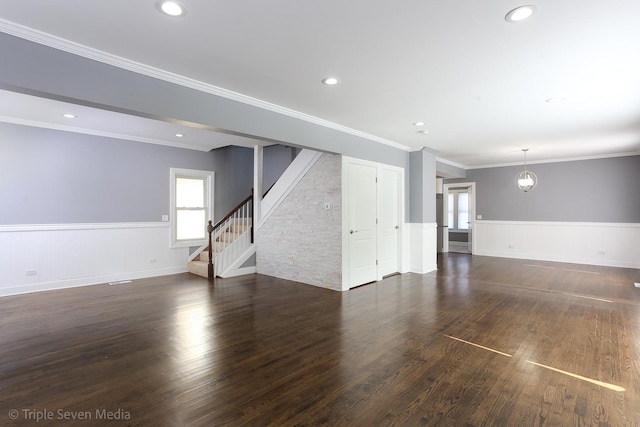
(353, 231)
(397, 226)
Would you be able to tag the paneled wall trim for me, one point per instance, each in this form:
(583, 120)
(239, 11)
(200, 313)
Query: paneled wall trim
(53, 256)
(596, 243)
(422, 247)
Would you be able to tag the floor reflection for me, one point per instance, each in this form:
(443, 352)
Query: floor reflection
(413, 349)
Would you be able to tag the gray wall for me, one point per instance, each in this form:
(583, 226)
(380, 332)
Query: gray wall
(601, 190)
(81, 80)
(56, 177)
(276, 159)
(236, 177)
(445, 170)
(238, 170)
(422, 177)
(75, 79)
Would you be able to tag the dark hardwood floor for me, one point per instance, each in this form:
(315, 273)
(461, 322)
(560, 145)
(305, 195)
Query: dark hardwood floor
(482, 342)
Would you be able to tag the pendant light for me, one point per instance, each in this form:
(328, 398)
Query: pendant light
(526, 180)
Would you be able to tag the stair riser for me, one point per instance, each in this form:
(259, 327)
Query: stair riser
(198, 267)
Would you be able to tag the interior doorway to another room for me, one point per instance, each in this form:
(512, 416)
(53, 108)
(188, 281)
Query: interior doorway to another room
(458, 217)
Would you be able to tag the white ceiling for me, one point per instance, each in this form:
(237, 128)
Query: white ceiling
(479, 83)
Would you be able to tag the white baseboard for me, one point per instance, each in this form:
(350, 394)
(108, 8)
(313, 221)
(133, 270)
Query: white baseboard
(239, 272)
(88, 281)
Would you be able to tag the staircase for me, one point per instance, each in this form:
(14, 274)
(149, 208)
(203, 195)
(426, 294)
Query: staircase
(231, 239)
(200, 265)
(230, 243)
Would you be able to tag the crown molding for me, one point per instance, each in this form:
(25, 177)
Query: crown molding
(65, 45)
(45, 125)
(450, 163)
(560, 160)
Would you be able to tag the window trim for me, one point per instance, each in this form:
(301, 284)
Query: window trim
(209, 179)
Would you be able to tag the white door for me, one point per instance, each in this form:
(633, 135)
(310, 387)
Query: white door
(388, 222)
(362, 224)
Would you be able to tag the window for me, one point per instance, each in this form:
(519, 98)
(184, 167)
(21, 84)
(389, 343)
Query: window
(458, 210)
(463, 211)
(191, 206)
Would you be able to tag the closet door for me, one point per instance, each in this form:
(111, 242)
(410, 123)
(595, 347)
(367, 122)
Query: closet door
(361, 225)
(389, 222)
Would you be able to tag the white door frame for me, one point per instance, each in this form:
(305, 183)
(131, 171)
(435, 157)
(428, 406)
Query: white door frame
(345, 216)
(445, 214)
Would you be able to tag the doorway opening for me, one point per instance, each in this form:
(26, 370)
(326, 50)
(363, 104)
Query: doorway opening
(458, 217)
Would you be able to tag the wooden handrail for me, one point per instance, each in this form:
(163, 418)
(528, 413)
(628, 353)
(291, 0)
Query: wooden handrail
(234, 210)
(211, 228)
(210, 266)
(251, 196)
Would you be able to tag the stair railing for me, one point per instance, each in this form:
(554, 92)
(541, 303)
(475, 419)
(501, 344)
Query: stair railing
(227, 246)
(210, 229)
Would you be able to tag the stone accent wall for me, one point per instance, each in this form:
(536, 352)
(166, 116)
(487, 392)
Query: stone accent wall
(302, 240)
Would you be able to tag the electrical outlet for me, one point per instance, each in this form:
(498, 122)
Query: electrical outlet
(511, 247)
(32, 272)
(327, 206)
(165, 218)
(152, 260)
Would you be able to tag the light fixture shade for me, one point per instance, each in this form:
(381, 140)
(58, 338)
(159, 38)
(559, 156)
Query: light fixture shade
(526, 180)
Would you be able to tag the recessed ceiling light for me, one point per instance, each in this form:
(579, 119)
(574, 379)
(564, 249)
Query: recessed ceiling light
(330, 81)
(520, 13)
(418, 124)
(69, 116)
(179, 135)
(555, 100)
(171, 8)
(423, 132)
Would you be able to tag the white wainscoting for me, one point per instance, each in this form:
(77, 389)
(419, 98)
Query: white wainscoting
(422, 247)
(596, 243)
(43, 257)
